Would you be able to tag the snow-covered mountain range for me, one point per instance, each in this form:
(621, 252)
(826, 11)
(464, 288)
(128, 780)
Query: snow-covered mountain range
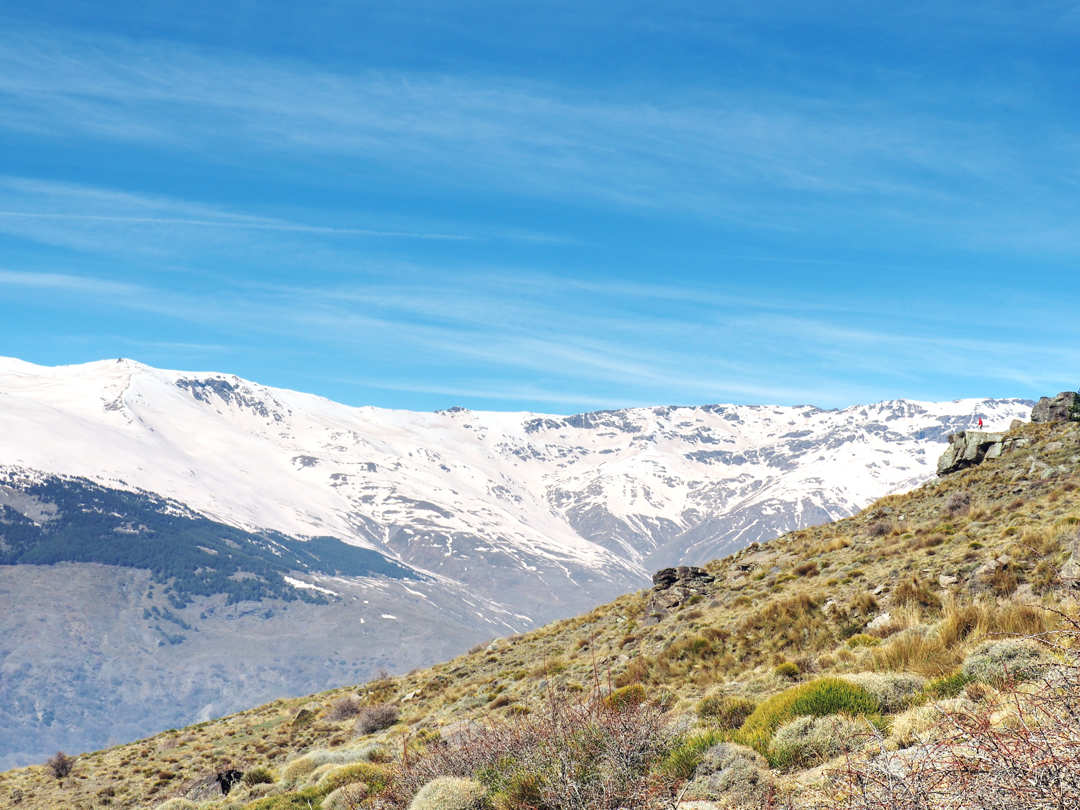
(458, 492)
(513, 518)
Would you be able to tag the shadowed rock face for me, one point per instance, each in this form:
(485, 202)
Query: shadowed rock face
(1065, 407)
(672, 587)
(970, 447)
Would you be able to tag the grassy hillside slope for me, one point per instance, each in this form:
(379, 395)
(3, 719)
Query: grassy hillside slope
(820, 636)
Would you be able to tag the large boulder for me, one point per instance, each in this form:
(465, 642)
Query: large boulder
(672, 587)
(970, 447)
(1065, 407)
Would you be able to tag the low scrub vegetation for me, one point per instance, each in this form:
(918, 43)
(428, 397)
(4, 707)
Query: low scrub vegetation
(1019, 749)
(60, 764)
(808, 741)
(998, 662)
(726, 712)
(881, 676)
(375, 718)
(820, 698)
(596, 753)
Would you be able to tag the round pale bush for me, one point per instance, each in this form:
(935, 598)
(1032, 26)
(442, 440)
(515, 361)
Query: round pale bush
(374, 776)
(808, 741)
(317, 774)
(177, 804)
(370, 752)
(346, 797)
(917, 724)
(449, 793)
(301, 768)
(258, 776)
(732, 776)
(894, 690)
(259, 790)
(995, 662)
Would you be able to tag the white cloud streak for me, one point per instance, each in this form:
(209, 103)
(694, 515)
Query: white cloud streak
(540, 354)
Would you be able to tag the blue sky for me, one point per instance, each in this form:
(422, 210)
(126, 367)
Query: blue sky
(548, 206)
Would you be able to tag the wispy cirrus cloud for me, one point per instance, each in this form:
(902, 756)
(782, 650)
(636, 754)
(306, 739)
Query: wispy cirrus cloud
(738, 229)
(758, 159)
(547, 350)
(66, 282)
(110, 221)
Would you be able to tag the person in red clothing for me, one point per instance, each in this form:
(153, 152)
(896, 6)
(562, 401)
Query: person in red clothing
(980, 423)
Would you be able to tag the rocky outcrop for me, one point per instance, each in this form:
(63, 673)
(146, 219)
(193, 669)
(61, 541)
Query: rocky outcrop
(1065, 407)
(1069, 574)
(673, 587)
(970, 447)
(991, 574)
(305, 716)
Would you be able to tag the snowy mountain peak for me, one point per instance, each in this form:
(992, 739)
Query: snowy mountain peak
(543, 503)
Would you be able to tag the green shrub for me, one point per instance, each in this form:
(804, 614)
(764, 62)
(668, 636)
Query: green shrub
(863, 640)
(369, 752)
(177, 804)
(808, 741)
(630, 695)
(524, 791)
(788, 669)
(297, 769)
(312, 778)
(947, 686)
(728, 712)
(374, 776)
(682, 760)
(449, 793)
(995, 662)
(258, 776)
(818, 698)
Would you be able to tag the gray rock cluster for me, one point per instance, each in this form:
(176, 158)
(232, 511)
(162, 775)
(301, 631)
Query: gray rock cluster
(1070, 569)
(672, 587)
(970, 447)
(1065, 407)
